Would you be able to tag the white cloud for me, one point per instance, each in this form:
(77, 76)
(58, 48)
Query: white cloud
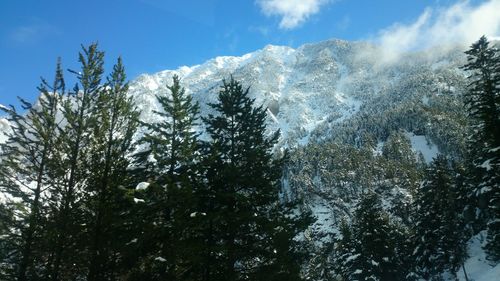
(292, 12)
(461, 23)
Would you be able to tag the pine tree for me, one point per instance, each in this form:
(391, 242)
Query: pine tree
(247, 237)
(79, 111)
(7, 247)
(24, 169)
(344, 251)
(439, 234)
(483, 104)
(401, 165)
(111, 146)
(371, 248)
(169, 163)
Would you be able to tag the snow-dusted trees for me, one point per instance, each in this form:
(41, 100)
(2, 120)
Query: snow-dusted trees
(438, 226)
(248, 235)
(210, 210)
(105, 193)
(483, 103)
(169, 162)
(371, 248)
(64, 166)
(24, 174)
(88, 180)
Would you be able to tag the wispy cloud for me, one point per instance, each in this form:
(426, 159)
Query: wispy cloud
(202, 12)
(344, 23)
(292, 12)
(262, 30)
(461, 23)
(33, 32)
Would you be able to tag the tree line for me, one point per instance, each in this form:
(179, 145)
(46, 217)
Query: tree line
(89, 200)
(86, 201)
(455, 199)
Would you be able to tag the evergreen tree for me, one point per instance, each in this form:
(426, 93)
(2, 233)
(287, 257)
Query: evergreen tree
(247, 236)
(105, 195)
(6, 245)
(24, 169)
(72, 170)
(483, 104)
(169, 163)
(171, 142)
(401, 165)
(371, 248)
(438, 233)
(344, 251)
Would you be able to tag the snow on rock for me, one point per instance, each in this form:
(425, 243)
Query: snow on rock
(476, 266)
(160, 259)
(301, 88)
(308, 91)
(420, 144)
(137, 200)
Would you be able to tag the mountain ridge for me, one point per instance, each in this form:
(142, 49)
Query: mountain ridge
(336, 102)
(304, 88)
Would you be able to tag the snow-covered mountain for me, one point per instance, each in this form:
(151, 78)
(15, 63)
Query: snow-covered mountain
(307, 90)
(322, 91)
(4, 127)
(333, 92)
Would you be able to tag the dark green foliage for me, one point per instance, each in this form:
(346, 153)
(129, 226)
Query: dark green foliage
(66, 165)
(111, 146)
(439, 233)
(371, 248)
(170, 164)
(171, 143)
(72, 170)
(483, 104)
(402, 166)
(24, 172)
(248, 236)
(8, 241)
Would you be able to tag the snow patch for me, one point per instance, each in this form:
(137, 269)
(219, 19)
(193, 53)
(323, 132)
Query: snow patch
(352, 257)
(420, 144)
(137, 200)
(324, 226)
(476, 266)
(195, 214)
(160, 259)
(142, 186)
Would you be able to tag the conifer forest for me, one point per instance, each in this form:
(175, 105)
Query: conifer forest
(98, 185)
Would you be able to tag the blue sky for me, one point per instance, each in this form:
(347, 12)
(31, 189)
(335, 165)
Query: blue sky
(154, 35)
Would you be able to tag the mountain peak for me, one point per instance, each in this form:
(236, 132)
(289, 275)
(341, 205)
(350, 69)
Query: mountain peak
(314, 87)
